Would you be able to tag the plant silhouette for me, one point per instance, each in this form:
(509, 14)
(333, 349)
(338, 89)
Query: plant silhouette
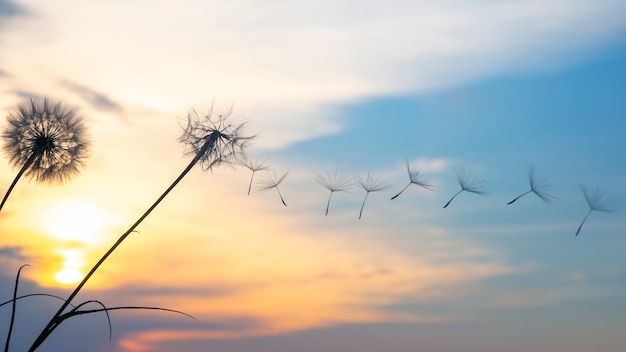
(467, 183)
(414, 179)
(539, 186)
(272, 181)
(333, 184)
(47, 141)
(370, 184)
(213, 140)
(594, 201)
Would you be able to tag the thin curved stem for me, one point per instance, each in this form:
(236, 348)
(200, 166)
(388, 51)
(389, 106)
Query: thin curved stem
(54, 322)
(518, 197)
(17, 178)
(363, 205)
(13, 308)
(281, 197)
(450, 201)
(582, 222)
(399, 193)
(328, 203)
(250, 185)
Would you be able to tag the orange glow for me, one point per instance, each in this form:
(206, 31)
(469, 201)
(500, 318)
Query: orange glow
(75, 220)
(68, 275)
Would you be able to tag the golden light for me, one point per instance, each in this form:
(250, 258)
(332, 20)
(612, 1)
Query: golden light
(68, 275)
(78, 225)
(76, 220)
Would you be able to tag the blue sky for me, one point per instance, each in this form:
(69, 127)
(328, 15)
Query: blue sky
(328, 87)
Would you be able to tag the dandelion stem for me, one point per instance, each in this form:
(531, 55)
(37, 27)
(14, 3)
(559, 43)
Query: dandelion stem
(27, 164)
(250, 185)
(399, 193)
(450, 201)
(363, 205)
(281, 197)
(55, 321)
(518, 197)
(582, 222)
(328, 203)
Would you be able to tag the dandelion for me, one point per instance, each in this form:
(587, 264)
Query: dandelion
(539, 186)
(370, 184)
(594, 201)
(467, 183)
(254, 166)
(272, 182)
(47, 141)
(333, 184)
(213, 140)
(414, 179)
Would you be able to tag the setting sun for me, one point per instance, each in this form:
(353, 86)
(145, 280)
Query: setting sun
(68, 275)
(75, 220)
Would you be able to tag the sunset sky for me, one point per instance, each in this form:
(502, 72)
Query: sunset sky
(341, 89)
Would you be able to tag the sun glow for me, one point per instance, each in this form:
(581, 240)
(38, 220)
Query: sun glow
(78, 225)
(74, 220)
(68, 275)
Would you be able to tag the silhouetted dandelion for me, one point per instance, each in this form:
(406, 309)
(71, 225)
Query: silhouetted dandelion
(467, 183)
(414, 179)
(370, 184)
(272, 181)
(594, 201)
(213, 140)
(333, 184)
(254, 166)
(539, 186)
(47, 141)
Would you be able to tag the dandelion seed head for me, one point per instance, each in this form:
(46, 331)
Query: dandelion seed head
(372, 183)
(469, 183)
(49, 135)
(333, 182)
(540, 186)
(214, 138)
(595, 200)
(272, 180)
(255, 165)
(416, 178)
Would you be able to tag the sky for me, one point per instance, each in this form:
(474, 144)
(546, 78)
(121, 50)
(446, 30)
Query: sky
(339, 90)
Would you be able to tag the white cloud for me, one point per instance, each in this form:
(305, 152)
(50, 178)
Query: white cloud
(288, 61)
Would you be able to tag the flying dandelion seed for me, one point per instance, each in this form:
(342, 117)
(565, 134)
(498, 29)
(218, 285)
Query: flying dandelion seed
(254, 166)
(272, 182)
(47, 141)
(539, 186)
(594, 201)
(467, 183)
(414, 179)
(213, 139)
(333, 184)
(370, 184)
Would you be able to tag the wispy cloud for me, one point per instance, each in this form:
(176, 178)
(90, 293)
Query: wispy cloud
(96, 99)
(10, 8)
(297, 59)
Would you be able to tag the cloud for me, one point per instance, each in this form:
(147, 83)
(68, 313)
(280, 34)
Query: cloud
(291, 63)
(9, 8)
(14, 253)
(97, 99)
